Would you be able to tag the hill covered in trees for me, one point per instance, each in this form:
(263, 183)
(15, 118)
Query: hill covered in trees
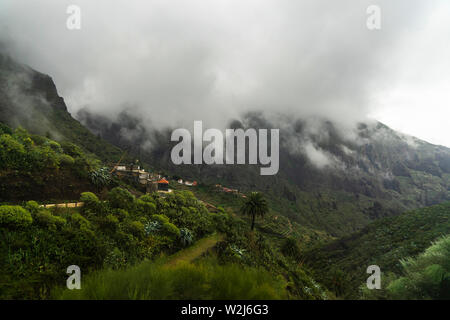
(341, 265)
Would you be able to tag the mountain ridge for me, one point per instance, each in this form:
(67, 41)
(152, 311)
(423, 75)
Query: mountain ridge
(326, 180)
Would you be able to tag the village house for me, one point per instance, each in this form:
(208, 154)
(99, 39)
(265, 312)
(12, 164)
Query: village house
(163, 185)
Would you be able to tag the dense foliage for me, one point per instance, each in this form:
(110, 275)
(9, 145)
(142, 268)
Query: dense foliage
(425, 277)
(341, 265)
(38, 244)
(33, 166)
(203, 280)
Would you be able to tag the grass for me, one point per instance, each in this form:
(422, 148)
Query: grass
(195, 251)
(159, 280)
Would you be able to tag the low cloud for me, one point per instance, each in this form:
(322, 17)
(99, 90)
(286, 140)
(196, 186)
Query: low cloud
(179, 61)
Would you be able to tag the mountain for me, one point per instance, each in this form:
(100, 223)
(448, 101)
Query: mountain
(329, 179)
(29, 99)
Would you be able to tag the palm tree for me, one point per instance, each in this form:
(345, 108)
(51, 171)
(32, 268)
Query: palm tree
(255, 205)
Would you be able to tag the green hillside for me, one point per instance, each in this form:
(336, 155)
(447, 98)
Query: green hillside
(29, 99)
(341, 265)
(38, 168)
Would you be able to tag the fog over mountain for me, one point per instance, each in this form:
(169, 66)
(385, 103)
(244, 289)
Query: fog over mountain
(173, 62)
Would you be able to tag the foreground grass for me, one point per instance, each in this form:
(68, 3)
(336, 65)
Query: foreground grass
(181, 280)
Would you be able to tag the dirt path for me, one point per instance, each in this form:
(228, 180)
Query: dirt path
(196, 250)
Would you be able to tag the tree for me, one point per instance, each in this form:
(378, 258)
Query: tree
(121, 198)
(255, 205)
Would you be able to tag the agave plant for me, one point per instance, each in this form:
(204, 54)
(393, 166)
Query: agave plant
(237, 251)
(152, 227)
(186, 237)
(100, 177)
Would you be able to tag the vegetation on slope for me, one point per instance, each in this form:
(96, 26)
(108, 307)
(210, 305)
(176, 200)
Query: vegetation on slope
(38, 244)
(33, 166)
(341, 266)
(206, 279)
(425, 277)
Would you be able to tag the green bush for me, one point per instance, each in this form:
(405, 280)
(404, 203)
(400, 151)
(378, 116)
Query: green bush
(81, 222)
(90, 200)
(15, 217)
(32, 207)
(4, 129)
(45, 218)
(136, 228)
(147, 198)
(121, 214)
(55, 146)
(72, 149)
(161, 218)
(121, 198)
(12, 153)
(110, 223)
(170, 230)
(144, 207)
(66, 160)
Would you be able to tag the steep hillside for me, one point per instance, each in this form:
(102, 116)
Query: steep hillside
(29, 99)
(341, 265)
(328, 179)
(38, 168)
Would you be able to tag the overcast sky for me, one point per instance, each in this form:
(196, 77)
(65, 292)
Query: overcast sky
(174, 62)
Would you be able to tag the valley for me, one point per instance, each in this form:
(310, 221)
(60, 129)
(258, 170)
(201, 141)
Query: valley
(378, 198)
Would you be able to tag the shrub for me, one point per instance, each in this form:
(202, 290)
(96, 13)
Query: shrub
(109, 223)
(55, 146)
(90, 200)
(161, 218)
(12, 153)
(170, 230)
(72, 149)
(32, 207)
(147, 198)
(15, 216)
(44, 218)
(66, 160)
(81, 222)
(146, 208)
(121, 198)
(136, 228)
(5, 129)
(121, 214)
